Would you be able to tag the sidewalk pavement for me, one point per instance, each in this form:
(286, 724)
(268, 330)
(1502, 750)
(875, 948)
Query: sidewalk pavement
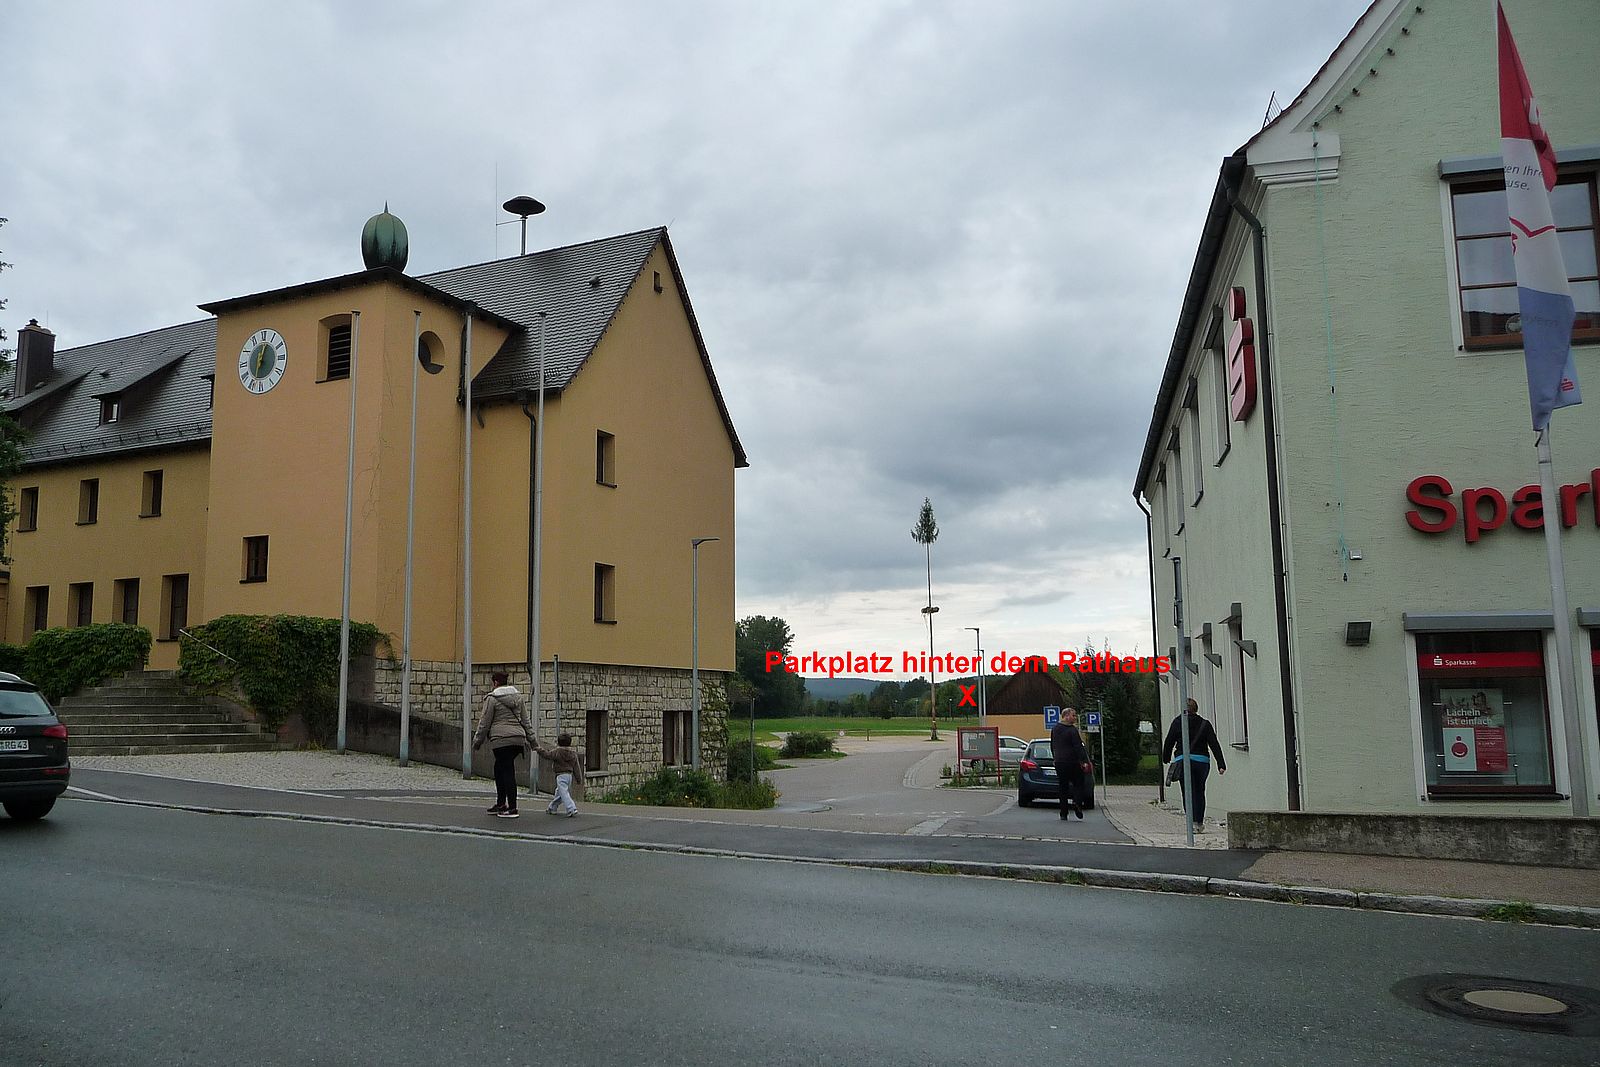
(363, 788)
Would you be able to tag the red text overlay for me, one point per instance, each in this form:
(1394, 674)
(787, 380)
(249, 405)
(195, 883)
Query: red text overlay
(814, 663)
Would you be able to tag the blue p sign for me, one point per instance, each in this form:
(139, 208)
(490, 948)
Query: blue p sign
(1091, 718)
(1052, 715)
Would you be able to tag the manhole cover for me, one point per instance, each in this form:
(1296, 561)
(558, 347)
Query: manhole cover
(1543, 1007)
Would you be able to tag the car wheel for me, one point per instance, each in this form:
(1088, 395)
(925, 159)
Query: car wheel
(29, 810)
(1024, 800)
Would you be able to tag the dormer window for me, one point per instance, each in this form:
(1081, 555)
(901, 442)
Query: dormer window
(110, 411)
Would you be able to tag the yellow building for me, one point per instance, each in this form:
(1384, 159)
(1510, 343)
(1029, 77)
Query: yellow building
(200, 470)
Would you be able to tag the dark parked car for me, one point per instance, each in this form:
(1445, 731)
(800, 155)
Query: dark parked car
(1036, 776)
(33, 751)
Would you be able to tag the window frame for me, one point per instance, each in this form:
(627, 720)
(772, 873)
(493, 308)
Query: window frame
(121, 601)
(1450, 186)
(605, 459)
(332, 327)
(80, 603)
(676, 738)
(605, 594)
(150, 493)
(254, 569)
(88, 501)
(110, 410)
(1238, 698)
(1191, 404)
(28, 509)
(596, 740)
(1175, 451)
(174, 606)
(35, 609)
(1219, 363)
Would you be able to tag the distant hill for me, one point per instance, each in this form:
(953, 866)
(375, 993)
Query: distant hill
(839, 688)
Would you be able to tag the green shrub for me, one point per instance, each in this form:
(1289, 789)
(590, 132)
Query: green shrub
(806, 743)
(740, 768)
(64, 660)
(14, 659)
(682, 787)
(281, 664)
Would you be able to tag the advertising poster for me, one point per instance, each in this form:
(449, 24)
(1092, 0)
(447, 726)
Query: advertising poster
(1474, 726)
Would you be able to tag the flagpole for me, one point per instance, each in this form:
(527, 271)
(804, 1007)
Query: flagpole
(411, 537)
(466, 552)
(1570, 720)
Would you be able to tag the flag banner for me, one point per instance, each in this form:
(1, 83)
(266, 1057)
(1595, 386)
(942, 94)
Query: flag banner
(1543, 298)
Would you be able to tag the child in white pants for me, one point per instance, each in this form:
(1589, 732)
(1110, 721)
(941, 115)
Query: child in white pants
(567, 767)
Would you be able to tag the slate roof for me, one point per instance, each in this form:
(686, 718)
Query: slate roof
(161, 378)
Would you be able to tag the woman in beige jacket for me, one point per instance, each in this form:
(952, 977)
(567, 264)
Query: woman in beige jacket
(505, 727)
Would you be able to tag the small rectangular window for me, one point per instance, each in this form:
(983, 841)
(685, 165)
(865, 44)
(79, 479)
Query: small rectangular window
(594, 741)
(255, 559)
(675, 740)
(80, 603)
(1191, 403)
(88, 501)
(605, 581)
(1219, 365)
(605, 470)
(1175, 446)
(174, 606)
(150, 499)
(657, 282)
(28, 509)
(36, 608)
(1238, 709)
(1160, 504)
(125, 601)
(338, 352)
(110, 411)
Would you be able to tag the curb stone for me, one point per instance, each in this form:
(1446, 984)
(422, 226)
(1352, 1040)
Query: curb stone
(1187, 884)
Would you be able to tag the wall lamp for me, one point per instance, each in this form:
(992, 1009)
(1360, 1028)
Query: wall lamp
(1357, 633)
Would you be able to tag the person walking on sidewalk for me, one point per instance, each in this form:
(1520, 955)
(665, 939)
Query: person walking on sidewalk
(505, 727)
(1072, 760)
(567, 765)
(1202, 746)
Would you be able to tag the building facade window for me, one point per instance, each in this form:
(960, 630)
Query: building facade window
(36, 608)
(1219, 365)
(150, 496)
(125, 601)
(28, 509)
(1208, 676)
(675, 738)
(174, 606)
(88, 501)
(255, 559)
(110, 411)
(594, 740)
(1179, 504)
(1238, 706)
(1485, 277)
(1191, 404)
(80, 603)
(1485, 714)
(1160, 504)
(605, 458)
(605, 593)
(336, 355)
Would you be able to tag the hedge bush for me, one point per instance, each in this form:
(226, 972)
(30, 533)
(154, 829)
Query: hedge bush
(740, 766)
(682, 787)
(281, 664)
(14, 659)
(65, 659)
(806, 743)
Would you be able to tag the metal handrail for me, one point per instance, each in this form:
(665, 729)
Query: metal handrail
(202, 644)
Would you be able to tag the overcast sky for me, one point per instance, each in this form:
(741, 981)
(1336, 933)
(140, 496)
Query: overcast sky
(936, 249)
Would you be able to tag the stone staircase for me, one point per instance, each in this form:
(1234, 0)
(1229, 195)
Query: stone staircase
(146, 713)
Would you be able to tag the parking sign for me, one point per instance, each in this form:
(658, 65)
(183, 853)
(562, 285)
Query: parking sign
(1091, 721)
(1052, 715)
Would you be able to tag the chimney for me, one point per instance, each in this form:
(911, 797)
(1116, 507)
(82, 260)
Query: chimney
(36, 357)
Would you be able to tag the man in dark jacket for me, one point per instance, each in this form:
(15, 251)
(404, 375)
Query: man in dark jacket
(1202, 747)
(1072, 760)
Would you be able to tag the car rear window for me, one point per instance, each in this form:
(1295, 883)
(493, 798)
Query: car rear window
(1040, 750)
(22, 704)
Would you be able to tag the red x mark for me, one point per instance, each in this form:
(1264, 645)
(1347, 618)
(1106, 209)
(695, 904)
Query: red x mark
(966, 695)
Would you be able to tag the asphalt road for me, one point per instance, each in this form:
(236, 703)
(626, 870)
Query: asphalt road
(145, 936)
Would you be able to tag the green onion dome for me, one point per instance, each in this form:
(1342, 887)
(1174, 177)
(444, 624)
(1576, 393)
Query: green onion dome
(384, 242)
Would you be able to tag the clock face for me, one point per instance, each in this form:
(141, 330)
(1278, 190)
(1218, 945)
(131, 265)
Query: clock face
(262, 360)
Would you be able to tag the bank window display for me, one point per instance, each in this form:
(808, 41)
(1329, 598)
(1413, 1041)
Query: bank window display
(1485, 714)
(1490, 316)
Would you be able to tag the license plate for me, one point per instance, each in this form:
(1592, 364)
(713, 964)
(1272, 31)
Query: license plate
(13, 746)
(1049, 772)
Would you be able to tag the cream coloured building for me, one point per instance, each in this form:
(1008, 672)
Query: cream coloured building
(200, 470)
(1341, 441)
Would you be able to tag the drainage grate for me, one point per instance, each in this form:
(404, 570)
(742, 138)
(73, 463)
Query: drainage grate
(1540, 1007)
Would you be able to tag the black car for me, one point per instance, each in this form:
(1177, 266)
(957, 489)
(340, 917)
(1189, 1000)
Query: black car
(33, 751)
(1036, 776)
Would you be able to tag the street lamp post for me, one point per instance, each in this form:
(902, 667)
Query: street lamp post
(694, 654)
(983, 696)
(933, 689)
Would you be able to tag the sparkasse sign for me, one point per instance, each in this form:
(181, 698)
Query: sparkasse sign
(1485, 510)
